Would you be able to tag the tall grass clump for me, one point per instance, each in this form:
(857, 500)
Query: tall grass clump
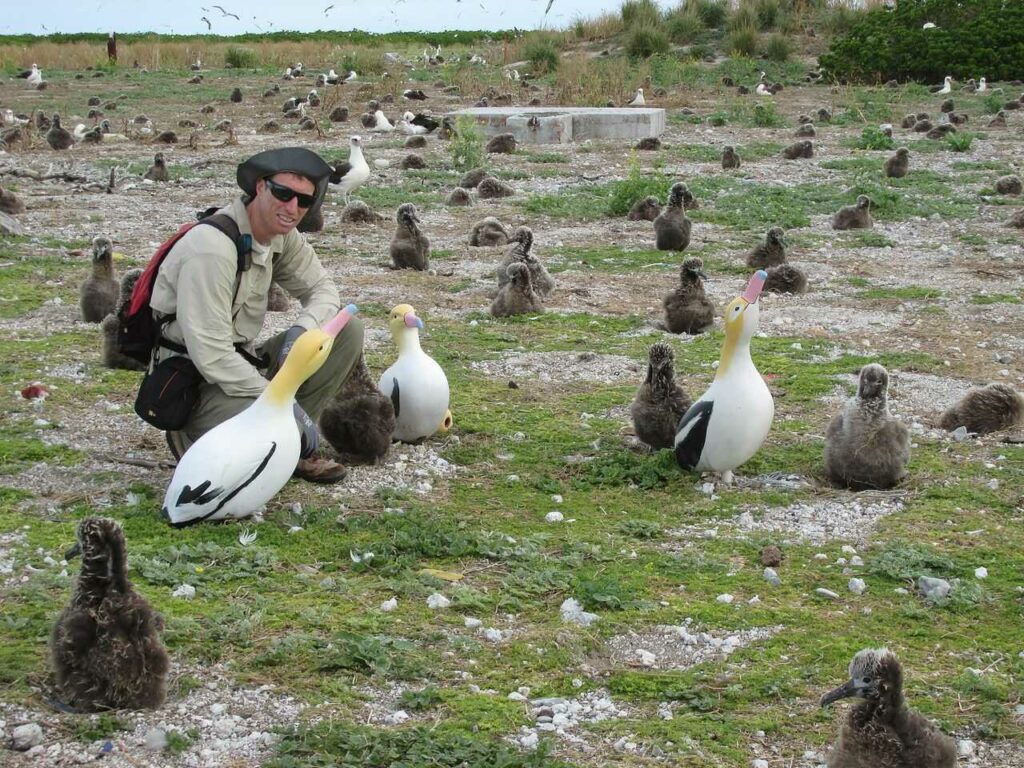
(636, 186)
(640, 13)
(960, 142)
(743, 42)
(768, 12)
(643, 42)
(743, 18)
(777, 48)
(766, 116)
(240, 57)
(467, 144)
(542, 55)
(684, 26)
(712, 12)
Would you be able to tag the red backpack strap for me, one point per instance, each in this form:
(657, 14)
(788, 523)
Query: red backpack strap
(143, 289)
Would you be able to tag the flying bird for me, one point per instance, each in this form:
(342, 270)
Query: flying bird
(327, 9)
(550, 3)
(219, 8)
(208, 25)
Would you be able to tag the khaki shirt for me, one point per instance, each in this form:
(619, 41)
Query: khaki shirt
(196, 282)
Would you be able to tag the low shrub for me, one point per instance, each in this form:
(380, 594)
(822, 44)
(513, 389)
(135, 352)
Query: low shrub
(640, 13)
(542, 55)
(712, 12)
(766, 116)
(467, 144)
(961, 141)
(645, 41)
(873, 138)
(684, 27)
(777, 48)
(239, 57)
(743, 42)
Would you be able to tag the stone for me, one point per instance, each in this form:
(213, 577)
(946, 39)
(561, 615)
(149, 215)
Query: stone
(826, 593)
(155, 739)
(772, 577)
(857, 586)
(934, 589)
(26, 736)
(10, 225)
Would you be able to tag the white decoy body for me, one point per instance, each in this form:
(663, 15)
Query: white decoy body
(239, 465)
(35, 76)
(728, 423)
(417, 386)
(947, 86)
(638, 99)
(410, 129)
(982, 85)
(763, 90)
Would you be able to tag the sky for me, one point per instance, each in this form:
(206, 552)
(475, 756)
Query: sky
(186, 16)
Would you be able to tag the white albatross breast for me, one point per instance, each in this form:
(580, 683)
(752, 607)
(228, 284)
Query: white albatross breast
(727, 425)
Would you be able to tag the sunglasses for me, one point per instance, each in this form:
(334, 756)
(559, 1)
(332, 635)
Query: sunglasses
(285, 194)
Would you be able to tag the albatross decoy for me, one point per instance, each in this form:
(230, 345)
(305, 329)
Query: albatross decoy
(106, 644)
(882, 731)
(239, 465)
(728, 423)
(659, 403)
(416, 384)
(865, 447)
(99, 292)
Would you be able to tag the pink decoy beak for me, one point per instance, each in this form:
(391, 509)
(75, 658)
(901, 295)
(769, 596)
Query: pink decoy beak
(333, 326)
(755, 286)
(411, 321)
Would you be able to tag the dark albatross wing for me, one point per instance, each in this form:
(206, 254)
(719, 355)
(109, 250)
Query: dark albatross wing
(692, 432)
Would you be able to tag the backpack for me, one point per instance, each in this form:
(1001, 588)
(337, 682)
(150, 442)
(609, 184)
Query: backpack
(138, 332)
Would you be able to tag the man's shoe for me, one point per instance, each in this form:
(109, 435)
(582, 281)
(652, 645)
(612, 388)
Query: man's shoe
(320, 470)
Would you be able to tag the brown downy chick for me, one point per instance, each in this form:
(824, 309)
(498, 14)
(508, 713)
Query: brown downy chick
(865, 447)
(771, 252)
(112, 357)
(785, 278)
(896, 167)
(730, 160)
(882, 731)
(106, 645)
(517, 295)
(672, 228)
(646, 209)
(158, 170)
(410, 248)
(659, 403)
(359, 421)
(98, 293)
(985, 409)
(687, 308)
(488, 232)
(854, 216)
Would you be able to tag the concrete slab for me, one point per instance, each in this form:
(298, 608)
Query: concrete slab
(560, 125)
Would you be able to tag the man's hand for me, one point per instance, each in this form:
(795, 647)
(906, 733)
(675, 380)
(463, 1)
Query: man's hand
(308, 432)
(290, 337)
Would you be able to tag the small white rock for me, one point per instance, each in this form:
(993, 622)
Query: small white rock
(437, 600)
(827, 593)
(471, 623)
(185, 591)
(646, 658)
(554, 517)
(965, 748)
(981, 573)
(396, 718)
(726, 598)
(389, 605)
(759, 763)
(155, 739)
(557, 498)
(24, 737)
(857, 586)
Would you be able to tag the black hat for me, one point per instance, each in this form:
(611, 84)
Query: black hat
(298, 160)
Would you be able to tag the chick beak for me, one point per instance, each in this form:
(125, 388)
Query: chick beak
(844, 691)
